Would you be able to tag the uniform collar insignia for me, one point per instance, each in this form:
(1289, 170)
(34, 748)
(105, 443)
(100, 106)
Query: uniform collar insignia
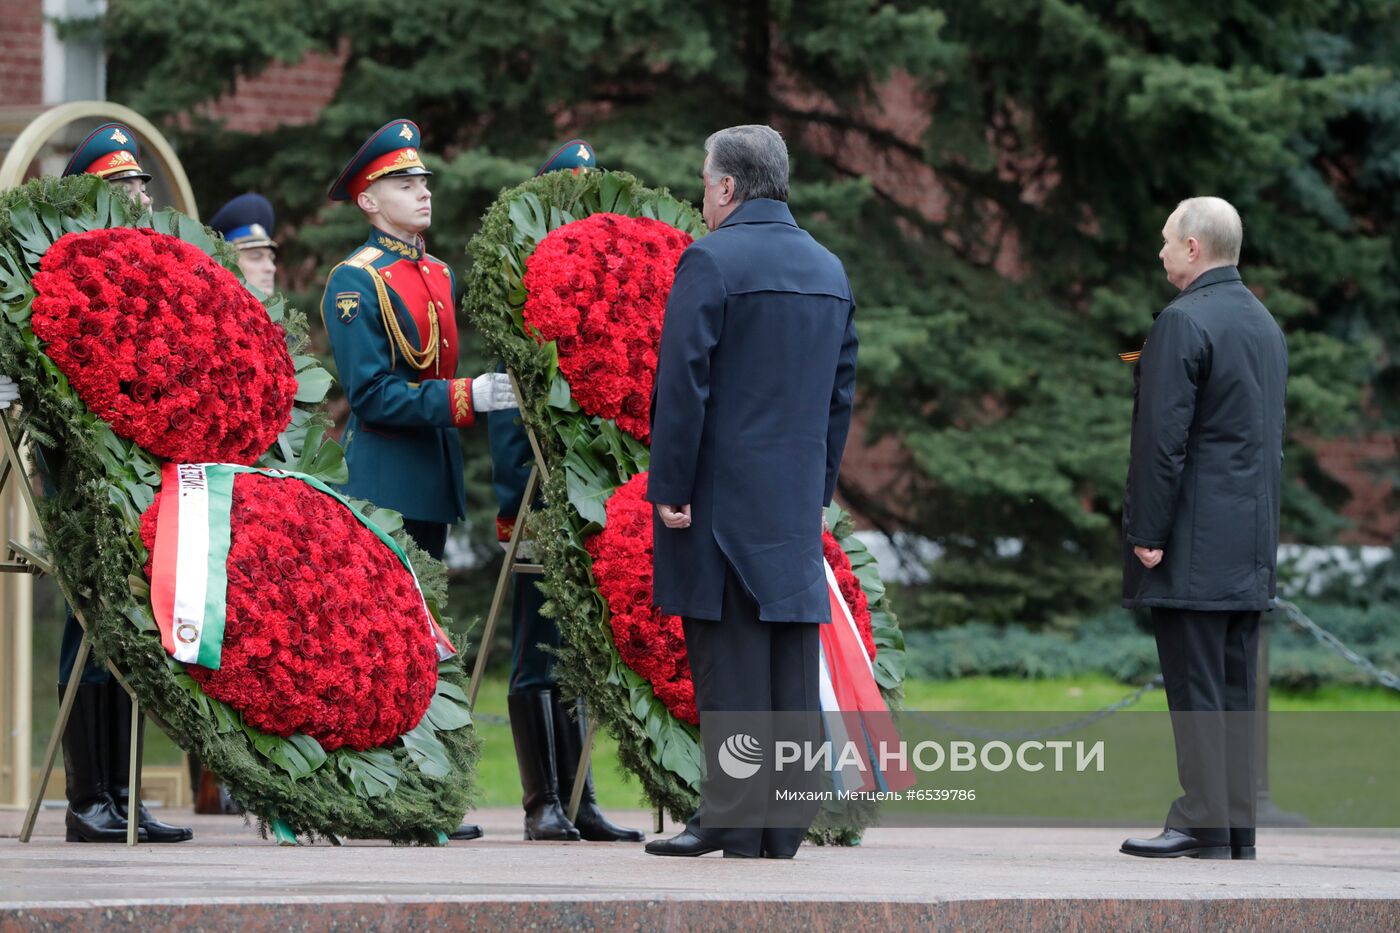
(398, 247)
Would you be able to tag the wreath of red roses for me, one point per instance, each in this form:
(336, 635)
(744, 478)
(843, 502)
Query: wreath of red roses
(324, 630)
(849, 585)
(653, 644)
(597, 287)
(650, 643)
(164, 344)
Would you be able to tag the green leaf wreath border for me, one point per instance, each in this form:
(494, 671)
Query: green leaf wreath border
(413, 791)
(589, 457)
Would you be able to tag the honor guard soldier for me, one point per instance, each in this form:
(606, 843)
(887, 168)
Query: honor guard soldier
(96, 741)
(246, 224)
(548, 742)
(390, 313)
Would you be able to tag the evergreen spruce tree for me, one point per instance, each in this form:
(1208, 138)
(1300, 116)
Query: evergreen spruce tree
(994, 176)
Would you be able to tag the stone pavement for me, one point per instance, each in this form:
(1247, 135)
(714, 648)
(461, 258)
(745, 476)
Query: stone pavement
(1044, 879)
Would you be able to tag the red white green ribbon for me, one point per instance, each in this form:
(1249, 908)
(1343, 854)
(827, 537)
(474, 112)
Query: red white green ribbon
(189, 585)
(189, 581)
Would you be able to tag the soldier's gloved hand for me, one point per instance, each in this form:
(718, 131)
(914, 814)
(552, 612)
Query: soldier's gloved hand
(492, 392)
(9, 392)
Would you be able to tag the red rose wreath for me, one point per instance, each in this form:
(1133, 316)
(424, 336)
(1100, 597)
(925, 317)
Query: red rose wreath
(164, 344)
(324, 630)
(597, 287)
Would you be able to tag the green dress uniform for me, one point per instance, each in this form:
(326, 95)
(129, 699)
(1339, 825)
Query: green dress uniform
(389, 309)
(548, 741)
(389, 312)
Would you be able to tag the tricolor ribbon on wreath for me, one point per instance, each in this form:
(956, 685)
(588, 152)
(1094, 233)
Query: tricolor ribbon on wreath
(189, 582)
(854, 713)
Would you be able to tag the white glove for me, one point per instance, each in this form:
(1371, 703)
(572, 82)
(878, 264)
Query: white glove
(492, 392)
(9, 392)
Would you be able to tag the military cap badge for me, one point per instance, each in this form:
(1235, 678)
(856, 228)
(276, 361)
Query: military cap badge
(576, 154)
(110, 152)
(391, 150)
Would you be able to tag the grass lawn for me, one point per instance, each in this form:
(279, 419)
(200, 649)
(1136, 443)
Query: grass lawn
(1095, 692)
(499, 779)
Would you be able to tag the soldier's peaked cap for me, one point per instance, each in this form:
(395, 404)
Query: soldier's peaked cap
(109, 152)
(391, 150)
(575, 154)
(246, 222)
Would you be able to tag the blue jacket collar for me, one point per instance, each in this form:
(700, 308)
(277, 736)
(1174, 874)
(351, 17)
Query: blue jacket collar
(393, 245)
(761, 211)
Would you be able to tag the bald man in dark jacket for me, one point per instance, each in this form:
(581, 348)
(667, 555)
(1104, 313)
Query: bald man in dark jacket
(1201, 520)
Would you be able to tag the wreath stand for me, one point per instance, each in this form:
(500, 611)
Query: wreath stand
(513, 563)
(20, 558)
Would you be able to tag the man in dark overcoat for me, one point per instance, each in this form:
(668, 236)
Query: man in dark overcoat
(749, 420)
(1201, 520)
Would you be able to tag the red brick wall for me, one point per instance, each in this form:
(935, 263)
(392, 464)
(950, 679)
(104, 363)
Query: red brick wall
(1371, 509)
(21, 52)
(282, 95)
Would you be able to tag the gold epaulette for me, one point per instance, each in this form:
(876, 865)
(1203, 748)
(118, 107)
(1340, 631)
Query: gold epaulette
(363, 258)
(360, 260)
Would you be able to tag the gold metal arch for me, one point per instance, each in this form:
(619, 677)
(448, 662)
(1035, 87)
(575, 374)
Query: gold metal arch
(32, 139)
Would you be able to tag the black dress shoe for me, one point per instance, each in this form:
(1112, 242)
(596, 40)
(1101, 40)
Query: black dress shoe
(92, 816)
(1243, 853)
(685, 843)
(593, 826)
(1173, 843)
(466, 831)
(99, 822)
(117, 739)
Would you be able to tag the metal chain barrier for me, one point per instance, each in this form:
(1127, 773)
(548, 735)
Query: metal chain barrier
(1072, 726)
(1295, 615)
(1300, 619)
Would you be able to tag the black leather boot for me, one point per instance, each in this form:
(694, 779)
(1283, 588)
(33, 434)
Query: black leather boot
(532, 725)
(118, 741)
(91, 816)
(569, 736)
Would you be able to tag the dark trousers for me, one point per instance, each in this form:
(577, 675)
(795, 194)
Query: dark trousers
(742, 665)
(532, 635)
(94, 672)
(1208, 668)
(430, 536)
